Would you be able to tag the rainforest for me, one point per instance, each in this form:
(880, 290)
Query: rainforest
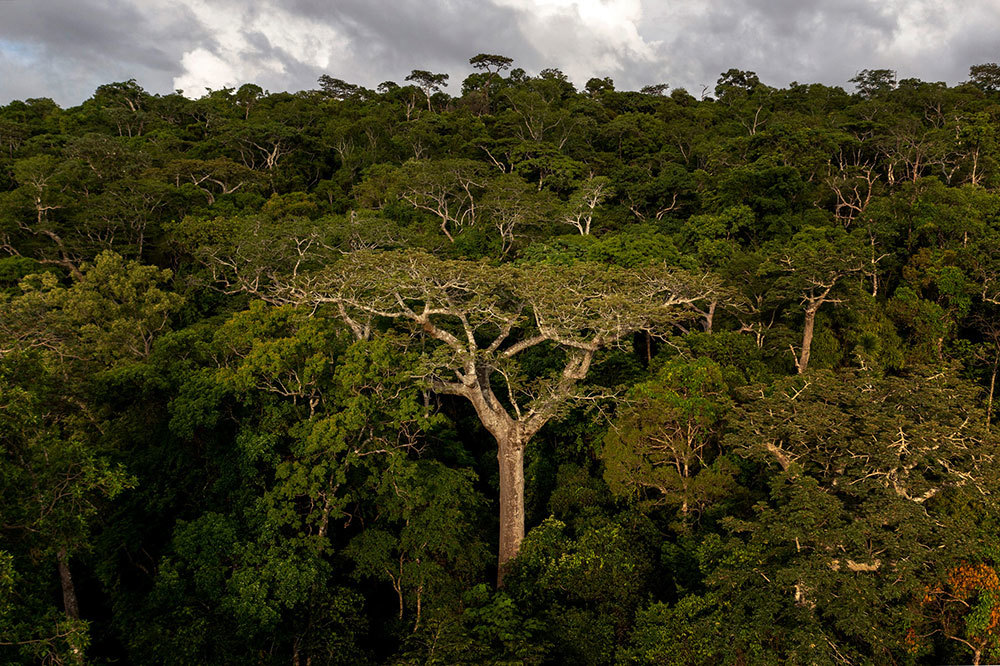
(502, 372)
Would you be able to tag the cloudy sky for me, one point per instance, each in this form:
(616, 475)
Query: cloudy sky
(64, 49)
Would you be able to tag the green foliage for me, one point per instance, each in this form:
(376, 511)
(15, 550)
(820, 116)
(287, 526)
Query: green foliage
(585, 587)
(14, 269)
(663, 449)
(873, 82)
(259, 353)
(111, 314)
(738, 357)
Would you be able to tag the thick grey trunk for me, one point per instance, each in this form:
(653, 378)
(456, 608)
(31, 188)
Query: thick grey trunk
(511, 437)
(510, 455)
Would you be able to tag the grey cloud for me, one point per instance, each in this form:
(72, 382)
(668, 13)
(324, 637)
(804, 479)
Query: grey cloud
(802, 17)
(66, 48)
(80, 45)
(978, 46)
(783, 40)
(419, 35)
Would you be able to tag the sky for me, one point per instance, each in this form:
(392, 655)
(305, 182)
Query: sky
(65, 49)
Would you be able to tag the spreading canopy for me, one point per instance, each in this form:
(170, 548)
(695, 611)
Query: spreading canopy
(485, 315)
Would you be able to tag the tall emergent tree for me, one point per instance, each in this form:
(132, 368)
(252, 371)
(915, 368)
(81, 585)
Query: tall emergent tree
(429, 82)
(479, 320)
(492, 65)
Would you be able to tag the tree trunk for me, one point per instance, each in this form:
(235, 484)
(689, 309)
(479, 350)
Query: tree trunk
(510, 454)
(68, 589)
(807, 338)
(511, 437)
(989, 404)
(709, 317)
(70, 604)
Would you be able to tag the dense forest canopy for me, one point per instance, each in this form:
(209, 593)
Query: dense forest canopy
(519, 374)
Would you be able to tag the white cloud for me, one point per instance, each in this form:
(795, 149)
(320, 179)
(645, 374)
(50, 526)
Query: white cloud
(204, 69)
(253, 45)
(585, 37)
